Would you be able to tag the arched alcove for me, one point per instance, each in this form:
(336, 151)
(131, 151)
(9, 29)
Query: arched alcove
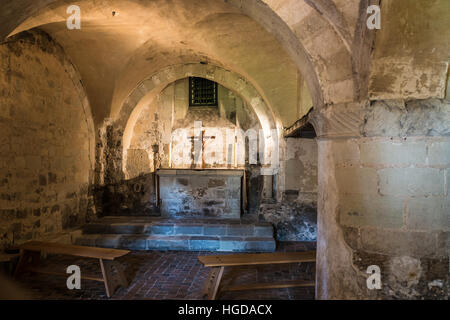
(151, 87)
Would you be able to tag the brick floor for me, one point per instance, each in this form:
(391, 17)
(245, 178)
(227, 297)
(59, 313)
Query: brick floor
(171, 275)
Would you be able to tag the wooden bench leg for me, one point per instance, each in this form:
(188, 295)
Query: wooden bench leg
(35, 259)
(26, 258)
(23, 260)
(212, 285)
(112, 282)
(121, 274)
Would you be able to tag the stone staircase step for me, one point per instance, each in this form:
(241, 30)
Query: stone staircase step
(260, 230)
(178, 243)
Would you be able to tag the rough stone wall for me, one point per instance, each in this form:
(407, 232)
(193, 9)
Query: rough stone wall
(293, 221)
(45, 141)
(133, 197)
(295, 216)
(387, 187)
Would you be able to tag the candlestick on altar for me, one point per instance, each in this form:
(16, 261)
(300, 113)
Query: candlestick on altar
(170, 155)
(235, 152)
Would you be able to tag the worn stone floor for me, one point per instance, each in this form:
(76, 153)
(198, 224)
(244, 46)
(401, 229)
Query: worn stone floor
(171, 275)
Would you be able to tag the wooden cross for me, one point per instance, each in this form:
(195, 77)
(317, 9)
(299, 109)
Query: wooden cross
(202, 138)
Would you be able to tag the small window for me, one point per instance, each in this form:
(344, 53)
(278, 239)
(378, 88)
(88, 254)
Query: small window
(202, 93)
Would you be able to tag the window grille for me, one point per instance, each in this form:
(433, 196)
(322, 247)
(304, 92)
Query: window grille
(202, 92)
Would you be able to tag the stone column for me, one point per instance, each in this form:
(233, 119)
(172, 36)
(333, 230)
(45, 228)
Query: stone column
(384, 171)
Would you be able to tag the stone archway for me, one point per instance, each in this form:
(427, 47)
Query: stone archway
(154, 84)
(277, 19)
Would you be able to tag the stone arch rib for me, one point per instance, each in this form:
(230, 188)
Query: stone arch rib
(154, 84)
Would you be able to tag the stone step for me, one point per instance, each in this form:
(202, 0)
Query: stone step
(182, 228)
(178, 243)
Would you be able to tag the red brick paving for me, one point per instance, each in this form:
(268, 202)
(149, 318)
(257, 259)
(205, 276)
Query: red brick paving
(171, 275)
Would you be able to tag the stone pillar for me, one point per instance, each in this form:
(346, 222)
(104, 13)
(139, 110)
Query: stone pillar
(384, 171)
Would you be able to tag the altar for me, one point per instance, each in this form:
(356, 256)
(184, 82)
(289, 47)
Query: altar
(205, 193)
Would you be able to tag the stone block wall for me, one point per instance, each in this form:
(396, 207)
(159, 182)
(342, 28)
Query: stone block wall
(403, 179)
(386, 184)
(395, 210)
(45, 141)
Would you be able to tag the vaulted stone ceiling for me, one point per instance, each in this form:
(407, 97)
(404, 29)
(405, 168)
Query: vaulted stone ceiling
(122, 42)
(264, 40)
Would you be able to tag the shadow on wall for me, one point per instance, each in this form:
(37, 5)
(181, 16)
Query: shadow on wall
(295, 217)
(134, 197)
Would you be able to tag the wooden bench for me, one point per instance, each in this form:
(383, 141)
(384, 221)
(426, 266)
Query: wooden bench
(7, 262)
(30, 254)
(217, 263)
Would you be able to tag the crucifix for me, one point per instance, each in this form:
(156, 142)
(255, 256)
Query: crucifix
(198, 146)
